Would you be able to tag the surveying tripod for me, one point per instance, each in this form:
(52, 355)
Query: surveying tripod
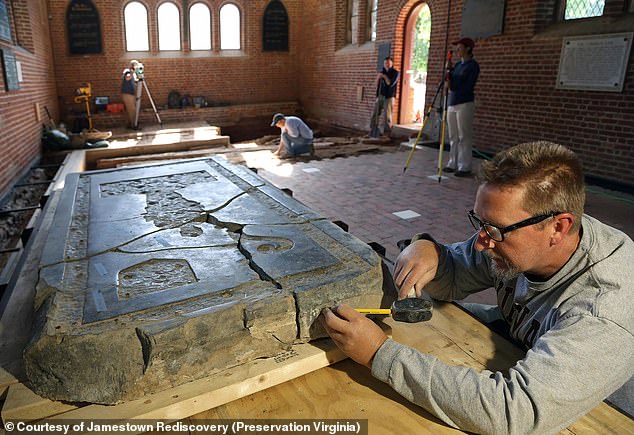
(139, 91)
(441, 144)
(425, 119)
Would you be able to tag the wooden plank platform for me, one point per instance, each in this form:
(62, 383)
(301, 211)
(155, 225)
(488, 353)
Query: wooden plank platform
(347, 391)
(170, 145)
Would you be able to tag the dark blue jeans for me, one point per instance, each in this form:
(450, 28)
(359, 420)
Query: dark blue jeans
(295, 145)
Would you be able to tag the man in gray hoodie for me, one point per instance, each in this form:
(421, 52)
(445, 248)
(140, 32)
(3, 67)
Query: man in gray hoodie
(565, 289)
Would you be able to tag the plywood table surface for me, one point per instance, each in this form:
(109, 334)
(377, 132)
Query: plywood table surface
(347, 390)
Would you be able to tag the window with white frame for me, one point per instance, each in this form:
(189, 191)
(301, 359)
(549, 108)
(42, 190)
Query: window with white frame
(229, 27)
(199, 27)
(169, 29)
(136, 27)
(576, 9)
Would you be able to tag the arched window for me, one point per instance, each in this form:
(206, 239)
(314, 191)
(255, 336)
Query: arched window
(229, 27)
(169, 30)
(199, 27)
(275, 27)
(136, 31)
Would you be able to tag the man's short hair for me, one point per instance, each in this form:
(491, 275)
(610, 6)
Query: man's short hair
(551, 175)
(389, 58)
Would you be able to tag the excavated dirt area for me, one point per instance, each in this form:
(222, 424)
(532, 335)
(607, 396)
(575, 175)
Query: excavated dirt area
(327, 147)
(18, 208)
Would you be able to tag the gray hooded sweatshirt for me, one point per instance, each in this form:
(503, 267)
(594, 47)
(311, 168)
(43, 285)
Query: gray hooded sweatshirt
(578, 327)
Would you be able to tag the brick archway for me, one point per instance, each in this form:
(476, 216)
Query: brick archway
(412, 100)
(437, 46)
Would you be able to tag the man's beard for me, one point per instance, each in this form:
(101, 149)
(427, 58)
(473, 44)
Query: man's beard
(506, 273)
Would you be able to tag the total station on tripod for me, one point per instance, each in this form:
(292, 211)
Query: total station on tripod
(139, 71)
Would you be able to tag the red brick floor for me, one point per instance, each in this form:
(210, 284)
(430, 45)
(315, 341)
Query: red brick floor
(364, 192)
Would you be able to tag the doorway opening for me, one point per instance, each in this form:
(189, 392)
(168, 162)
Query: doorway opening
(415, 57)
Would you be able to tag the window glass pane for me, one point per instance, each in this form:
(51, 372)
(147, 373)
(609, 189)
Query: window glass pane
(229, 27)
(136, 33)
(583, 9)
(371, 20)
(169, 27)
(200, 27)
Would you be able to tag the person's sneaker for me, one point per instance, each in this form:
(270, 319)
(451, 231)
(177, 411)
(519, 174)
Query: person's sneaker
(448, 170)
(462, 174)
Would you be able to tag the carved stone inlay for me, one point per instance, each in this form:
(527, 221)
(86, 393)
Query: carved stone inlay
(154, 276)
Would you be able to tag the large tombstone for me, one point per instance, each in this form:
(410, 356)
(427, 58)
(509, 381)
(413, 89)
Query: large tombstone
(155, 276)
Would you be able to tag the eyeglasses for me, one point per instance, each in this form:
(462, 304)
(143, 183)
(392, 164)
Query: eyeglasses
(496, 233)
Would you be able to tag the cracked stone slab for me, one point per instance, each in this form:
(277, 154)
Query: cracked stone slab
(155, 276)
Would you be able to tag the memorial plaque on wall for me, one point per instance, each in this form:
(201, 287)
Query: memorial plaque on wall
(384, 51)
(482, 18)
(83, 27)
(594, 63)
(275, 27)
(5, 26)
(10, 69)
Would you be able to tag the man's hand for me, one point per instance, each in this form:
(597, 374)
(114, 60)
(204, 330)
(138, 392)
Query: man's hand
(357, 336)
(385, 78)
(415, 267)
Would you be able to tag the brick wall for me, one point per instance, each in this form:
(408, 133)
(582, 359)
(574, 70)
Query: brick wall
(237, 77)
(239, 121)
(334, 82)
(21, 131)
(516, 96)
(337, 81)
(518, 102)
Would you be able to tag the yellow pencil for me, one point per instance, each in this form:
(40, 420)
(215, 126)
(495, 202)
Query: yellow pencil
(385, 311)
